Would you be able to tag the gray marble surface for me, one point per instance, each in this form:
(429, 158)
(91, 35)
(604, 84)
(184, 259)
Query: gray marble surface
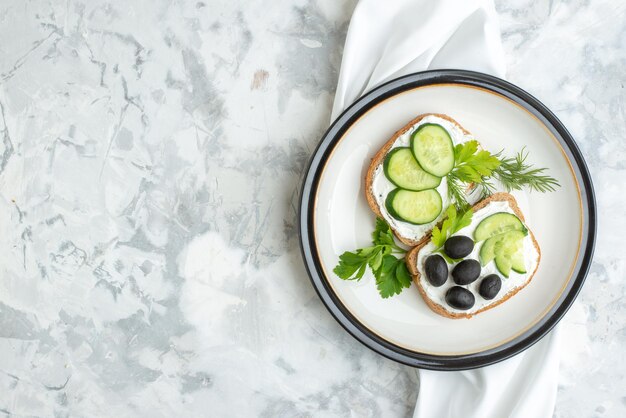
(150, 160)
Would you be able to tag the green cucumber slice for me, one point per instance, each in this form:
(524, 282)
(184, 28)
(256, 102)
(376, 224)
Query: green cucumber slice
(488, 250)
(504, 265)
(518, 263)
(433, 149)
(402, 169)
(497, 224)
(509, 250)
(417, 208)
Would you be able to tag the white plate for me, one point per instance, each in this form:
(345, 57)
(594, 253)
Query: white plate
(336, 218)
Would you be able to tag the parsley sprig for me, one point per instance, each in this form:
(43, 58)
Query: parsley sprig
(391, 273)
(481, 168)
(452, 223)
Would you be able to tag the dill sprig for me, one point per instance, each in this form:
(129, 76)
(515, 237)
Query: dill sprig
(456, 191)
(515, 173)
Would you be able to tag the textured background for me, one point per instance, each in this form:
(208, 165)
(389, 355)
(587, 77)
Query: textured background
(150, 160)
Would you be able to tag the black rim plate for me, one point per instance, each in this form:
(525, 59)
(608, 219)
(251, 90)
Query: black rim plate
(312, 261)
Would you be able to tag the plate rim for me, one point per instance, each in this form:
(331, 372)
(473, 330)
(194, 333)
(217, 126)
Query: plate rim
(308, 194)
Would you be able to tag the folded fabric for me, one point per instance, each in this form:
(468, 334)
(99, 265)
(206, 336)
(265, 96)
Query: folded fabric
(397, 37)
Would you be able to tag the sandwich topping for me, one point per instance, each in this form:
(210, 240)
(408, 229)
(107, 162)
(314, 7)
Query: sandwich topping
(493, 255)
(398, 194)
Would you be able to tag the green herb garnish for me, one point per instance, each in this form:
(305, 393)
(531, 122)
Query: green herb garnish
(515, 173)
(480, 168)
(391, 273)
(452, 224)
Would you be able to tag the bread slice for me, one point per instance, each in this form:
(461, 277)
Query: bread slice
(378, 160)
(411, 261)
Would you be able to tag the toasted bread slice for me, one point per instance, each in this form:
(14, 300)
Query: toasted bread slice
(411, 261)
(378, 160)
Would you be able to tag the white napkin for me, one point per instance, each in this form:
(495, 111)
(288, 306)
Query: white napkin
(388, 39)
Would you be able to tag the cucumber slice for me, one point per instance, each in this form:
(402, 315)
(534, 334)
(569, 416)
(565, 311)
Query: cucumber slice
(497, 224)
(492, 246)
(402, 169)
(504, 265)
(518, 263)
(433, 149)
(509, 250)
(417, 208)
(488, 251)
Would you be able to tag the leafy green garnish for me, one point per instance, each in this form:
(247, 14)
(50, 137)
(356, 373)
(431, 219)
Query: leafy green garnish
(392, 277)
(382, 234)
(453, 223)
(480, 168)
(471, 165)
(391, 273)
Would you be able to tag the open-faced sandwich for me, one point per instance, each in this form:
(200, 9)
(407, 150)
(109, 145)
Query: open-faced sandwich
(405, 183)
(475, 261)
(465, 259)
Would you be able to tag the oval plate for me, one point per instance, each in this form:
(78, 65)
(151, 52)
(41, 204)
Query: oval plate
(334, 217)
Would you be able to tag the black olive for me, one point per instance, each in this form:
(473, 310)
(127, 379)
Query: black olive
(436, 270)
(460, 298)
(490, 286)
(466, 272)
(458, 246)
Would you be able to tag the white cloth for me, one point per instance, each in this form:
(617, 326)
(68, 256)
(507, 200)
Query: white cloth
(388, 39)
